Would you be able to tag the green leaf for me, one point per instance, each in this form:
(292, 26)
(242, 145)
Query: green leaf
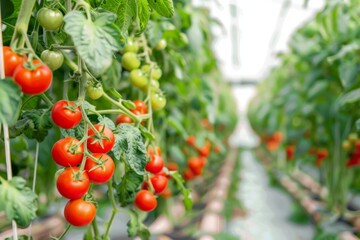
(10, 100)
(350, 97)
(129, 141)
(8, 10)
(35, 124)
(107, 122)
(18, 201)
(94, 41)
(186, 193)
(126, 12)
(163, 7)
(143, 13)
(146, 133)
(348, 72)
(136, 227)
(128, 187)
(173, 122)
(317, 88)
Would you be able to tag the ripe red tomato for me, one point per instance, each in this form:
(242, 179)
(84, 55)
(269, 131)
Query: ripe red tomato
(65, 153)
(11, 61)
(167, 193)
(107, 138)
(196, 165)
(205, 150)
(159, 182)
(121, 118)
(322, 154)
(172, 166)
(140, 106)
(72, 186)
(290, 152)
(79, 213)
(65, 114)
(191, 140)
(188, 174)
(33, 81)
(102, 171)
(145, 201)
(155, 165)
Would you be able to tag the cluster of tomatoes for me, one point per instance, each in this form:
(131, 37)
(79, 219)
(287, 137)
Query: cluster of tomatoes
(96, 167)
(140, 108)
(195, 165)
(273, 141)
(352, 146)
(145, 77)
(33, 76)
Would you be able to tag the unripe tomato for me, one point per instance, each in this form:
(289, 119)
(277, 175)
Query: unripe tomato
(161, 45)
(65, 114)
(66, 154)
(353, 137)
(158, 100)
(79, 213)
(145, 201)
(155, 165)
(138, 79)
(131, 46)
(167, 193)
(94, 92)
(101, 171)
(50, 19)
(33, 81)
(154, 86)
(156, 72)
(11, 61)
(106, 137)
(130, 61)
(71, 185)
(53, 59)
(346, 145)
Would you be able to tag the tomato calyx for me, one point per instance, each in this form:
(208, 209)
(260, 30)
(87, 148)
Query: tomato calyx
(99, 162)
(99, 137)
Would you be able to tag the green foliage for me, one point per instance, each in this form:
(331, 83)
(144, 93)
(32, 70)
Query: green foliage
(128, 187)
(136, 227)
(18, 201)
(10, 101)
(186, 193)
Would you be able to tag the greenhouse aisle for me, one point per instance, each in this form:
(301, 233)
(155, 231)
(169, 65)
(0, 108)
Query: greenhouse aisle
(267, 208)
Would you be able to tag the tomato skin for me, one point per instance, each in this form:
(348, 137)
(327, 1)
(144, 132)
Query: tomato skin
(53, 59)
(138, 79)
(95, 92)
(172, 166)
(158, 101)
(156, 72)
(159, 182)
(191, 140)
(93, 143)
(131, 46)
(64, 117)
(290, 150)
(130, 61)
(140, 106)
(50, 19)
(11, 61)
(70, 188)
(121, 118)
(79, 213)
(100, 173)
(161, 45)
(62, 154)
(155, 165)
(145, 201)
(188, 174)
(34, 81)
(196, 165)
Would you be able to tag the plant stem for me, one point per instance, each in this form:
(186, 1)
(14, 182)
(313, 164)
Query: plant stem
(46, 99)
(114, 210)
(22, 22)
(64, 233)
(96, 228)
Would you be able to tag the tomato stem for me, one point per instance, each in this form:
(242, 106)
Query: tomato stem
(46, 99)
(64, 233)
(114, 211)
(96, 228)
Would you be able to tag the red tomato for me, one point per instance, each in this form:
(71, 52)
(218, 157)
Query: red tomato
(140, 106)
(155, 165)
(191, 140)
(79, 213)
(188, 174)
(65, 153)
(167, 193)
(290, 150)
(11, 61)
(65, 114)
(196, 165)
(72, 186)
(159, 182)
(322, 154)
(102, 171)
(107, 138)
(145, 201)
(121, 118)
(172, 166)
(34, 81)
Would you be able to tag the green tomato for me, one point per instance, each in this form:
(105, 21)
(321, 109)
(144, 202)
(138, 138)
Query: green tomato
(53, 59)
(155, 85)
(95, 92)
(158, 100)
(131, 46)
(130, 61)
(138, 79)
(156, 72)
(50, 19)
(161, 45)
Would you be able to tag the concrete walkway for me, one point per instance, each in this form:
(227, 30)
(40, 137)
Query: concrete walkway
(268, 209)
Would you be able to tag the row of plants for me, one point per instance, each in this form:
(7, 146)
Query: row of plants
(107, 104)
(306, 110)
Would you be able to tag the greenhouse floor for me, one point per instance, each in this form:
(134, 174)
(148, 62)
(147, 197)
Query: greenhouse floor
(268, 209)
